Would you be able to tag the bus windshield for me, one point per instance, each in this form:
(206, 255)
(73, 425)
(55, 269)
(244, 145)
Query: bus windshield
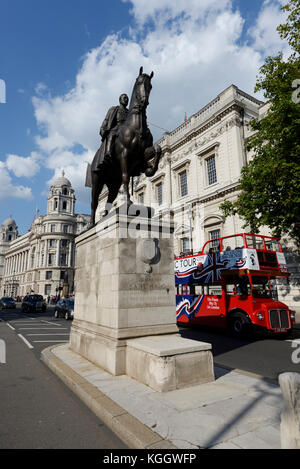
(261, 287)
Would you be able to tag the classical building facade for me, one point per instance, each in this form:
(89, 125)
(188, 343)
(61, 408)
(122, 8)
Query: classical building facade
(200, 168)
(42, 260)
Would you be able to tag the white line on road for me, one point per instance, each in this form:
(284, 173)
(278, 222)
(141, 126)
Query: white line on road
(51, 333)
(46, 341)
(40, 328)
(10, 326)
(28, 324)
(52, 323)
(26, 341)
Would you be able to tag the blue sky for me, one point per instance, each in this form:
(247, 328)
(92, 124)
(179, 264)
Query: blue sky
(65, 62)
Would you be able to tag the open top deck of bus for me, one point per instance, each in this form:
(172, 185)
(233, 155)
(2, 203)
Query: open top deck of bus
(242, 251)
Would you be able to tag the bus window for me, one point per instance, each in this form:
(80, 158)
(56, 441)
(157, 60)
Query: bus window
(260, 287)
(214, 289)
(243, 285)
(254, 242)
(199, 290)
(272, 245)
(233, 242)
(230, 289)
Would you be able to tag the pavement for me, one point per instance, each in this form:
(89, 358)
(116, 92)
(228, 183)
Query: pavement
(236, 411)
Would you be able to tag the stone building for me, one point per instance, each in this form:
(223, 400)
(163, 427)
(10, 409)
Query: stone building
(42, 260)
(200, 168)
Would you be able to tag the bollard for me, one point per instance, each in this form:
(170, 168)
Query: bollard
(290, 416)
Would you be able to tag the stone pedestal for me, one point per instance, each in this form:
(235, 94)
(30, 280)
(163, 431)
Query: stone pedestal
(125, 302)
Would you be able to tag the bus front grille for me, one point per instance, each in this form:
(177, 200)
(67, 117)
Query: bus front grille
(279, 318)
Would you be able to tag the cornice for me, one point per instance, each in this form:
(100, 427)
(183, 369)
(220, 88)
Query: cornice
(212, 121)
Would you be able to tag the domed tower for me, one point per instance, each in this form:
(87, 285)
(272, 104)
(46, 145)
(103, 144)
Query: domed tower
(61, 199)
(9, 230)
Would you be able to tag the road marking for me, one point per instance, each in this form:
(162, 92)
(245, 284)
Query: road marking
(51, 333)
(26, 341)
(52, 323)
(40, 328)
(10, 326)
(28, 324)
(47, 341)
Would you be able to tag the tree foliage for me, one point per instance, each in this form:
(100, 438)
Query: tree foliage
(270, 183)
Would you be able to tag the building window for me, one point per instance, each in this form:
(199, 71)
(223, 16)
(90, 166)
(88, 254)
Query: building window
(51, 259)
(63, 259)
(215, 234)
(159, 193)
(64, 243)
(52, 228)
(141, 198)
(47, 289)
(52, 243)
(55, 204)
(48, 274)
(64, 205)
(185, 245)
(65, 228)
(211, 170)
(65, 191)
(183, 184)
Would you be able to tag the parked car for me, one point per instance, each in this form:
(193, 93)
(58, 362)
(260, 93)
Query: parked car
(33, 303)
(64, 308)
(7, 302)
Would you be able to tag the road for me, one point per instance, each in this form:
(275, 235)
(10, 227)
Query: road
(37, 410)
(267, 356)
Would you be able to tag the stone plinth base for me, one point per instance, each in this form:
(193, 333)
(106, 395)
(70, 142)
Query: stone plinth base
(106, 347)
(169, 362)
(125, 293)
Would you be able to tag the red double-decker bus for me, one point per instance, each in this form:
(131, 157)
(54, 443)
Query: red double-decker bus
(229, 284)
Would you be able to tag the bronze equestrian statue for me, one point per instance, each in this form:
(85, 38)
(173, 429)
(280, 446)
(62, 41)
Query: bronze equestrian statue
(127, 148)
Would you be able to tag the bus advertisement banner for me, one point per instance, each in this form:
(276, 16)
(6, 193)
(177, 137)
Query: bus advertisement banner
(208, 268)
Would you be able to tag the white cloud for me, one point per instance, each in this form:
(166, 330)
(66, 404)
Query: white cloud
(195, 51)
(8, 190)
(264, 32)
(161, 11)
(23, 166)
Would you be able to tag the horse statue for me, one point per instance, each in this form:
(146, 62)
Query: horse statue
(133, 151)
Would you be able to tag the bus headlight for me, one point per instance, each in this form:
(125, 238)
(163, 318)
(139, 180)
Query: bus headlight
(292, 315)
(260, 316)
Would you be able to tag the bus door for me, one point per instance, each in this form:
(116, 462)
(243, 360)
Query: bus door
(213, 311)
(238, 292)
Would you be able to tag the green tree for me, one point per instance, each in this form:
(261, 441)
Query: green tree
(270, 183)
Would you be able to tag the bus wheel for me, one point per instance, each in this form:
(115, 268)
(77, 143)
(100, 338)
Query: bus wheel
(238, 324)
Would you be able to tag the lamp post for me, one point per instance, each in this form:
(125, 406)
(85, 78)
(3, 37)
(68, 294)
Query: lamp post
(190, 215)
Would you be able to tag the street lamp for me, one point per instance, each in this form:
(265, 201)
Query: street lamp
(190, 215)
